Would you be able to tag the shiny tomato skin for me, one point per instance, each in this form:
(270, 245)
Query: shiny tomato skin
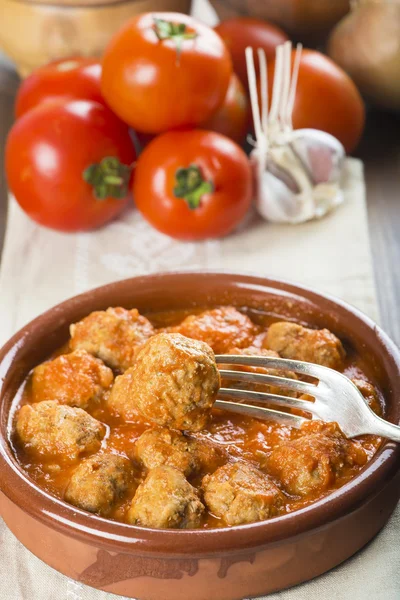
(233, 117)
(153, 86)
(70, 78)
(221, 162)
(47, 151)
(240, 32)
(326, 99)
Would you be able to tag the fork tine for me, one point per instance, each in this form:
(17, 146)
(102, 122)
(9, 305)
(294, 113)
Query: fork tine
(270, 362)
(337, 398)
(290, 384)
(261, 413)
(272, 398)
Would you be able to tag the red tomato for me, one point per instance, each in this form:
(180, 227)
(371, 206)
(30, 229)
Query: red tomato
(326, 99)
(240, 32)
(74, 77)
(193, 184)
(165, 70)
(68, 164)
(232, 118)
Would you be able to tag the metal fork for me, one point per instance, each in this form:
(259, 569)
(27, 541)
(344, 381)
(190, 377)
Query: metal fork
(335, 397)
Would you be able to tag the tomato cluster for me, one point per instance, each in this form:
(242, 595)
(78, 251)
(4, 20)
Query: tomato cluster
(180, 87)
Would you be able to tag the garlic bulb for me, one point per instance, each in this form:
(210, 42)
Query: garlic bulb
(297, 172)
(366, 44)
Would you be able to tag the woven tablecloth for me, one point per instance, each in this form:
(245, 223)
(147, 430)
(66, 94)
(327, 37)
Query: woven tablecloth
(41, 267)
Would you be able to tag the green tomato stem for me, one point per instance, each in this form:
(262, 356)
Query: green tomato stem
(109, 178)
(167, 30)
(191, 186)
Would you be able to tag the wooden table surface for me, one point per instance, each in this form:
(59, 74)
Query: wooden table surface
(380, 151)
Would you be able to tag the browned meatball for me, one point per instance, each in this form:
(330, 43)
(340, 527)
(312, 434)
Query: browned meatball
(239, 493)
(120, 400)
(166, 500)
(209, 455)
(51, 429)
(318, 346)
(162, 446)
(260, 387)
(99, 482)
(310, 464)
(113, 335)
(174, 382)
(221, 328)
(370, 394)
(75, 379)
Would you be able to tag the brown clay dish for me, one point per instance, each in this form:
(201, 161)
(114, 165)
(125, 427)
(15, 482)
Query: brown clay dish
(223, 564)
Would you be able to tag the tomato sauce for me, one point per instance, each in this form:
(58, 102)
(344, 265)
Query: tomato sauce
(244, 438)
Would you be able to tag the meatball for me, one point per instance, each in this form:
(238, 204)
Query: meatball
(221, 328)
(318, 346)
(259, 387)
(113, 335)
(311, 463)
(120, 400)
(370, 394)
(174, 383)
(209, 455)
(239, 493)
(75, 379)
(99, 482)
(166, 500)
(51, 429)
(161, 446)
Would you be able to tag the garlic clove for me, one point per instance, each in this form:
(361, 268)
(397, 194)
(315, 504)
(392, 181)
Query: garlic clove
(321, 154)
(326, 197)
(278, 196)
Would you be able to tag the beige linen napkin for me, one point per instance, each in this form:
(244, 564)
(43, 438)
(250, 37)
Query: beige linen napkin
(41, 267)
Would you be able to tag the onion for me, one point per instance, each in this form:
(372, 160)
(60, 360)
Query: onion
(366, 44)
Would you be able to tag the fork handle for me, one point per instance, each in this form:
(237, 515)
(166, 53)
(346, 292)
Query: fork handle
(385, 429)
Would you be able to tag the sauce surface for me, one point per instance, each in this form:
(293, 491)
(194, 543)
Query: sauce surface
(242, 438)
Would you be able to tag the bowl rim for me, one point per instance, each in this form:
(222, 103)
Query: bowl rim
(67, 519)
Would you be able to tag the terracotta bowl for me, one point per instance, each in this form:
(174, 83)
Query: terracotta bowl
(223, 564)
